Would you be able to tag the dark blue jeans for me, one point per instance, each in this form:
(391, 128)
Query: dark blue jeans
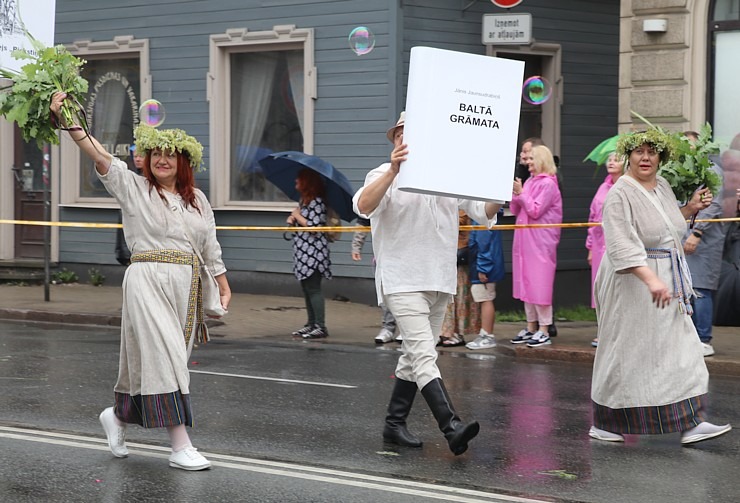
(703, 312)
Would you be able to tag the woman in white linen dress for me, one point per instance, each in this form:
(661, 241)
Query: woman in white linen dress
(649, 373)
(162, 311)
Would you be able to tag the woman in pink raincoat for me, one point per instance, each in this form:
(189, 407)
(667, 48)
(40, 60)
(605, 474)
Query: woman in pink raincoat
(534, 253)
(595, 240)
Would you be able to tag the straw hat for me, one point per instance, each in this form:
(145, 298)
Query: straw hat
(392, 131)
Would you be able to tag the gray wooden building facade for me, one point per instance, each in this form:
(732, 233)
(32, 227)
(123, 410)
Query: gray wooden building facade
(247, 75)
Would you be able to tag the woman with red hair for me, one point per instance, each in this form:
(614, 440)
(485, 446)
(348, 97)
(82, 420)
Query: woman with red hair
(168, 225)
(311, 261)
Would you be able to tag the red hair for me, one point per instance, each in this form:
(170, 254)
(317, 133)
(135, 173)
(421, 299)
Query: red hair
(312, 186)
(184, 182)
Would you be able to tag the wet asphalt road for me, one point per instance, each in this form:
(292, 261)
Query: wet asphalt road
(295, 422)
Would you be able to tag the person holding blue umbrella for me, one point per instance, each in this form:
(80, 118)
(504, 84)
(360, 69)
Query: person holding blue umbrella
(311, 259)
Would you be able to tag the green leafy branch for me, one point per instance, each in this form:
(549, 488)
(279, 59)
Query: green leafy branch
(27, 100)
(690, 168)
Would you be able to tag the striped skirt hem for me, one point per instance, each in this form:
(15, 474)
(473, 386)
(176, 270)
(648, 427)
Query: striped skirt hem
(653, 420)
(154, 411)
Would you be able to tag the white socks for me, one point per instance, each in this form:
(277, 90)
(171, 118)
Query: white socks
(179, 437)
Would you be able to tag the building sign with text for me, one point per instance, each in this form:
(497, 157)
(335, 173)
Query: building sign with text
(502, 29)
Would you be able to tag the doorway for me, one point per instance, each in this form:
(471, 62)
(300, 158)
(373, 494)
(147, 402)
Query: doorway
(31, 174)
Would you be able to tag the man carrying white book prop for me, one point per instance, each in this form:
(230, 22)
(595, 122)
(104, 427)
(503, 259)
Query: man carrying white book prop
(415, 244)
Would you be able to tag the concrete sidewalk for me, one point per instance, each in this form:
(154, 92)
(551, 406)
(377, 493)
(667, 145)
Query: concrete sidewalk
(274, 317)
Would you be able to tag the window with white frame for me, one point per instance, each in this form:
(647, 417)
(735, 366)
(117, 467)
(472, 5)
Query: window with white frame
(118, 81)
(261, 91)
(724, 32)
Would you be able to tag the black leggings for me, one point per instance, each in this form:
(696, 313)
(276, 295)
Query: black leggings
(315, 310)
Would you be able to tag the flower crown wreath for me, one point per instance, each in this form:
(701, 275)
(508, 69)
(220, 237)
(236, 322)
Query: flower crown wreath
(685, 164)
(655, 136)
(148, 138)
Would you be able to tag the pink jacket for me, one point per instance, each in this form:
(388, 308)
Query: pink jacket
(595, 239)
(534, 252)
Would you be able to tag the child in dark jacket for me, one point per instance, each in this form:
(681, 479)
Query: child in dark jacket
(486, 268)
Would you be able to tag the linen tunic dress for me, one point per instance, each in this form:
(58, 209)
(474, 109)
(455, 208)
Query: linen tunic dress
(649, 372)
(153, 383)
(534, 251)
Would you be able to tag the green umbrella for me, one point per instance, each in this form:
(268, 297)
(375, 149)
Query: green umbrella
(600, 154)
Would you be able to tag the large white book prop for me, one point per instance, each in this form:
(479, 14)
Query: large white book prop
(462, 123)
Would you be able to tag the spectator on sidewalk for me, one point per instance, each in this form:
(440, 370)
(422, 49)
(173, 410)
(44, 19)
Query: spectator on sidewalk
(414, 242)
(595, 237)
(486, 269)
(123, 254)
(388, 322)
(522, 168)
(162, 305)
(463, 313)
(534, 252)
(649, 374)
(703, 246)
(311, 259)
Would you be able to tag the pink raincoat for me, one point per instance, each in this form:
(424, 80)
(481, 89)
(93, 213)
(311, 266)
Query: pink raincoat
(595, 239)
(534, 253)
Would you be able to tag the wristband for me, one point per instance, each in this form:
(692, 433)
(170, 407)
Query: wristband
(696, 234)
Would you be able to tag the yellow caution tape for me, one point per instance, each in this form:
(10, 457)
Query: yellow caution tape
(359, 228)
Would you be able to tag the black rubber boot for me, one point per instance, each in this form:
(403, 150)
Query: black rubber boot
(402, 399)
(457, 434)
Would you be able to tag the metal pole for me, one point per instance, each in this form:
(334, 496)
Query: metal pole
(46, 176)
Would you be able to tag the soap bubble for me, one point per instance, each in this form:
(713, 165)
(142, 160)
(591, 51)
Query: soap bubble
(536, 90)
(361, 40)
(152, 113)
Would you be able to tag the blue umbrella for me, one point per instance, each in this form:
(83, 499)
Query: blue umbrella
(282, 168)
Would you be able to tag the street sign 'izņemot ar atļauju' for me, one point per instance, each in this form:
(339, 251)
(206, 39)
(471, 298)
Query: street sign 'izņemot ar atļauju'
(506, 4)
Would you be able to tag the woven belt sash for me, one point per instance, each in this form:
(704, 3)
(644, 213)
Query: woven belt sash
(195, 316)
(681, 276)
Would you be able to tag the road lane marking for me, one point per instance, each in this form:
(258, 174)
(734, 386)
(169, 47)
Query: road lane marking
(277, 468)
(260, 378)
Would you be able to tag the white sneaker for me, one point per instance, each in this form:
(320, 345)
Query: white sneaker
(399, 337)
(483, 341)
(189, 459)
(707, 348)
(539, 338)
(604, 435)
(116, 434)
(384, 336)
(704, 431)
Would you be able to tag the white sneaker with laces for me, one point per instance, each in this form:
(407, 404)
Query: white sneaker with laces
(523, 336)
(539, 338)
(116, 434)
(483, 341)
(189, 459)
(384, 336)
(704, 431)
(707, 349)
(606, 436)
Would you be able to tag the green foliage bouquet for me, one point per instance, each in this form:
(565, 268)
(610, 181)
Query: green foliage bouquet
(689, 167)
(27, 100)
